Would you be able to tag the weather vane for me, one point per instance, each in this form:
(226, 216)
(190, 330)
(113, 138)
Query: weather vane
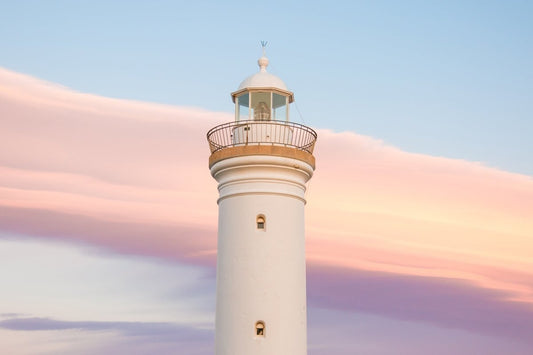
(264, 44)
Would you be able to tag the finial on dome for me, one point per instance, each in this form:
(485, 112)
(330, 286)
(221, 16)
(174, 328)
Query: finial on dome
(263, 61)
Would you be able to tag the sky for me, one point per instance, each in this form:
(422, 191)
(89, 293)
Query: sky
(419, 217)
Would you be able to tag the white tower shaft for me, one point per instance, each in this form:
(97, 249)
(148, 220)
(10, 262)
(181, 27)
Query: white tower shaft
(261, 268)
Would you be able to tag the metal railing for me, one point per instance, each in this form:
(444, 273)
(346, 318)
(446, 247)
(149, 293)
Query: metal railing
(281, 133)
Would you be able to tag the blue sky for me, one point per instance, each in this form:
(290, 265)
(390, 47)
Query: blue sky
(450, 78)
(108, 213)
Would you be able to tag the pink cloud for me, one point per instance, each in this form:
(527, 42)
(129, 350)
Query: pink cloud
(420, 215)
(133, 177)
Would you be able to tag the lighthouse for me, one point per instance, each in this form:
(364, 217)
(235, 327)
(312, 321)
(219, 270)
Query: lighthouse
(262, 162)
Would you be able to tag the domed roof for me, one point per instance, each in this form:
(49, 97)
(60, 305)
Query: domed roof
(263, 79)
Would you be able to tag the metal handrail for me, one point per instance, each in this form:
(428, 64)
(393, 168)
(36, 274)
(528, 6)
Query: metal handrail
(282, 133)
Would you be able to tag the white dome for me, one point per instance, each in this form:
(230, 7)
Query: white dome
(263, 79)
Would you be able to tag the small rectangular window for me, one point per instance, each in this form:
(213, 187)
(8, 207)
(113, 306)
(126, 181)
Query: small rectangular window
(260, 222)
(260, 329)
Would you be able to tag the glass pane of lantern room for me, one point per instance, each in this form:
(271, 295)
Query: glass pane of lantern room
(243, 107)
(261, 106)
(279, 105)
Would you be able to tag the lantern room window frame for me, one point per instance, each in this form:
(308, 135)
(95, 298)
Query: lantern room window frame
(254, 105)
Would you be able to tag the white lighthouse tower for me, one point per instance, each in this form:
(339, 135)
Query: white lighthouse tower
(261, 162)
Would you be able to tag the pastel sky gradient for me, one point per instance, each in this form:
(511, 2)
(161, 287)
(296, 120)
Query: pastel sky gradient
(108, 212)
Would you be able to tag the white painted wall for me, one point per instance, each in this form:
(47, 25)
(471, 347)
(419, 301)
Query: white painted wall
(261, 274)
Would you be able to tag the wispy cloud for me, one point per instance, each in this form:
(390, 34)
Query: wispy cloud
(117, 337)
(453, 303)
(167, 331)
(133, 177)
(11, 315)
(193, 244)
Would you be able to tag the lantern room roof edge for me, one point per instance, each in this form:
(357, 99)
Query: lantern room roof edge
(288, 93)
